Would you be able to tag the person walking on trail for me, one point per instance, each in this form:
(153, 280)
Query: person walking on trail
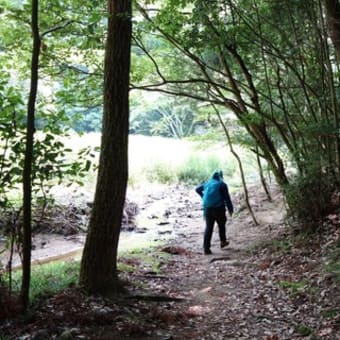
(216, 198)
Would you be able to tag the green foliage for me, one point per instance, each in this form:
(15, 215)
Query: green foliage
(71, 60)
(303, 330)
(192, 171)
(150, 256)
(330, 313)
(334, 269)
(53, 164)
(334, 253)
(281, 246)
(161, 172)
(308, 197)
(288, 98)
(162, 116)
(332, 264)
(167, 160)
(68, 89)
(125, 266)
(49, 278)
(295, 288)
(197, 169)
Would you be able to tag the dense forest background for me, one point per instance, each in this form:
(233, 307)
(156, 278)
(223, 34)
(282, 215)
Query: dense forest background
(258, 75)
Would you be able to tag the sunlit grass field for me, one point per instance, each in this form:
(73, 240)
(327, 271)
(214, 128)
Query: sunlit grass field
(173, 161)
(153, 160)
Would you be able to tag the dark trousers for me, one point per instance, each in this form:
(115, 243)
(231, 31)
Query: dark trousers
(213, 215)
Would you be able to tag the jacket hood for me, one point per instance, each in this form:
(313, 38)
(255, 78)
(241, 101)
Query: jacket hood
(218, 175)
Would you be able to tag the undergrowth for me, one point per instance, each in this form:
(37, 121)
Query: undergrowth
(309, 198)
(332, 264)
(50, 278)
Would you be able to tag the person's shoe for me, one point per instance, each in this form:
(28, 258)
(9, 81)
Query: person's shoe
(207, 252)
(224, 243)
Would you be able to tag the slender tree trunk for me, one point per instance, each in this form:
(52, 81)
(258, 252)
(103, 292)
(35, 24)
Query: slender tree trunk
(27, 173)
(257, 130)
(245, 189)
(98, 273)
(263, 180)
(333, 15)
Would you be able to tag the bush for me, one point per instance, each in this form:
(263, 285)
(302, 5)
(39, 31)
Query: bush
(309, 199)
(160, 172)
(196, 169)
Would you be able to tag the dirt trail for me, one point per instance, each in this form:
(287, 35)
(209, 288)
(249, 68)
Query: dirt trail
(227, 294)
(231, 294)
(178, 213)
(219, 289)
(165, 214)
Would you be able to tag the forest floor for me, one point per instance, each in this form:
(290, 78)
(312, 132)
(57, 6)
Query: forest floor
(267, 284)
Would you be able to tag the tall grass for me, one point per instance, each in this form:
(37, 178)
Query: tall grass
(170, 161)
(173, 161)
(49, 278)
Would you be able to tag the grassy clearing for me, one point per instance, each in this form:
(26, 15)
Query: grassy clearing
(152, 160)
(172, 161)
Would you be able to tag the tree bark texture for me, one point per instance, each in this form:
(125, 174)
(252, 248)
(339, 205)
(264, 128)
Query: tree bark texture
(27, 171)
(333, 14)
(98, 272)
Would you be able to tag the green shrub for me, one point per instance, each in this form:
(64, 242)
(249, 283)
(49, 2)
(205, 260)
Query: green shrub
(160, 172)
(196, 169)
(308, 199)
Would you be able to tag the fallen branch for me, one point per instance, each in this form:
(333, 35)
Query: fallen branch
(153, 276)
(225, 258)
(157, 298)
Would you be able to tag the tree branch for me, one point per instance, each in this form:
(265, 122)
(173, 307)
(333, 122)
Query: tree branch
(57, 28)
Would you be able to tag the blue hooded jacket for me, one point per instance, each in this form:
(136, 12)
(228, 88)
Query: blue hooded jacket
(215, 193)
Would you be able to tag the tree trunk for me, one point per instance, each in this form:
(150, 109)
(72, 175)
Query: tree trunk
(333, 14)
(231, 148)
(263, 180)
(27, 172)
(333, 17)
(98, 273)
